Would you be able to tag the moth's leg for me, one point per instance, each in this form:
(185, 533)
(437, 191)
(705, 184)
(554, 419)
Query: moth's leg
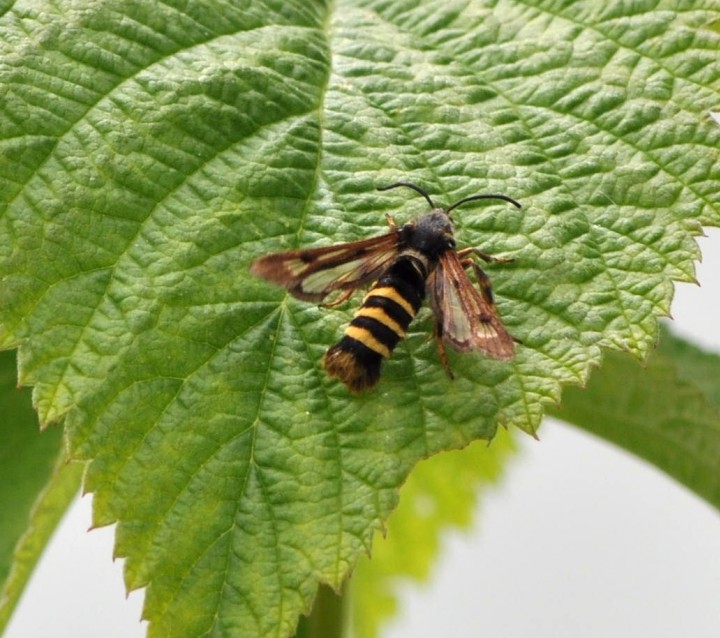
(391, 221)
(482, 279)
(442, 353)
(484, 256)
(341, 299)
(484, 283)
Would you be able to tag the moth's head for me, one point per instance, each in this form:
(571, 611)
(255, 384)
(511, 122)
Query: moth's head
(437, 222)
(432, 233)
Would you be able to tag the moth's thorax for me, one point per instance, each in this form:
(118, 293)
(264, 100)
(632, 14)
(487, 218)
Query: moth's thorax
(430, 235)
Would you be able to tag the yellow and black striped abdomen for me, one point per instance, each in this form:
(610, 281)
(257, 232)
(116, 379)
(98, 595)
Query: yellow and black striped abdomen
(378, 325)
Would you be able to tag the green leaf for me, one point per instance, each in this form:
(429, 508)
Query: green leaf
(25, 456)
(440, 494)
(667, 412)
(147, 156)
(36, 487)
(693, 366)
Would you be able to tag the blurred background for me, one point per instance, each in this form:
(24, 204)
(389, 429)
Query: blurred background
(577, 539)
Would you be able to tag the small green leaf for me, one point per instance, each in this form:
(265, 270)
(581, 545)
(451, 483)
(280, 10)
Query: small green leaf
(26, 459)
(440, 494)
(148, 154)
(36, 487)
(667, 412)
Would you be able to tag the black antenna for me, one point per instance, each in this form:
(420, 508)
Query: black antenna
(472, 198)
(415, 187)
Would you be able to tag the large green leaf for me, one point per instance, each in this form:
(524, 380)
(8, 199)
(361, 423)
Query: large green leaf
(150, 150)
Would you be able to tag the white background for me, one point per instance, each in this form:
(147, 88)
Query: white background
(579, 541)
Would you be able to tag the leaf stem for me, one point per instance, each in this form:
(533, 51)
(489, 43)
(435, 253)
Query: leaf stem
(327, 618)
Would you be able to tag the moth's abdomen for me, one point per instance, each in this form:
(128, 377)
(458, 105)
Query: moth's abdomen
(378, 325)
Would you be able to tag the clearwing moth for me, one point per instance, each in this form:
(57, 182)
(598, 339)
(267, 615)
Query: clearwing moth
(403, 266)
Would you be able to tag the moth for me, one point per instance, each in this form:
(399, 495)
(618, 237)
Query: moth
(404, 266)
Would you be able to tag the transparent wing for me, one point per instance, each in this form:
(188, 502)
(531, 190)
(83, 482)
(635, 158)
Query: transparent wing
(466, 316)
